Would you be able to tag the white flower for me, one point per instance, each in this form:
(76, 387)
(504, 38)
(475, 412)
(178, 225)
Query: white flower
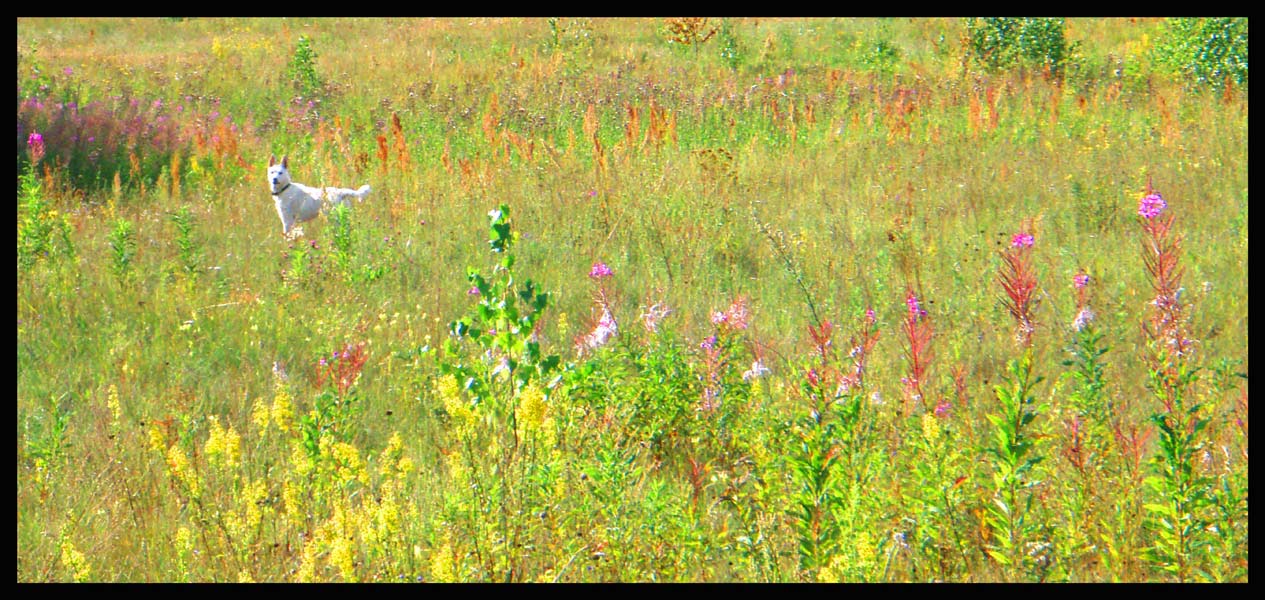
(757, 370)
(1083, 318)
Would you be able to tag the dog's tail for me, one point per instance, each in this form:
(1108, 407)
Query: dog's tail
(363, 191)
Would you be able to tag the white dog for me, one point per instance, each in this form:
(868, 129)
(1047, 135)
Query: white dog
(297, 203)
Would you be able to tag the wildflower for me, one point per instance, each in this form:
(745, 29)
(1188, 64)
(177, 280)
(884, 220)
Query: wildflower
(709, 343)
(650, 319)
(1151, 206)
(719, 318)
(75, 562)
(68, 71)
(600, 270)
(738, 316)
(915, 309)
(930, 428)
(943, 408)
(870, 318)
(1022, 240)
(473, 291)
(35, 144)
(606, 328)
(1080, 280)
(757, 370)
(1083, 318)
(530, 413)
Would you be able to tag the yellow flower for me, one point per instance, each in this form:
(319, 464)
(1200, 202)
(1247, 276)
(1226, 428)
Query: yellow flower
(341, 556)
(260, 415)
(832, 572)
(282, 408)
(530, 413)
(157, 441)
(223, 447)
(116, 409)
(442, 567)
(75, 562)
(930, 428)
(178, 464)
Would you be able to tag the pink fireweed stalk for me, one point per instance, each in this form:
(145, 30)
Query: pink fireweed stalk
(918, 332)
(1020, 285)
(1166, 326)
(35, 146)
(1084, 314)
(1161, 251)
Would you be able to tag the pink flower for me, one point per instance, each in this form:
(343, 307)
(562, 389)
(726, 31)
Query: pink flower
(600, 270)
(870, 319)
(915, 310)
(35, 142)
(473, 291)
(709, 343)
(719, 318)
(1151, 206)
(1080, 280)
(1022, 240)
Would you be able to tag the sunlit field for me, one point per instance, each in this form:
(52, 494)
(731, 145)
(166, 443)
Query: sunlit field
(635, 300)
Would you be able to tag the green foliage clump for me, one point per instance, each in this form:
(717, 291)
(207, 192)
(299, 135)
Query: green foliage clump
(1031, 42)
(302, 68)
(1206, 51)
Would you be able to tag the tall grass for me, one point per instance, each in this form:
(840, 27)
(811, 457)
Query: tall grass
(760, 313)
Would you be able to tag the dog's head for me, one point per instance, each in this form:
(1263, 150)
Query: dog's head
(278, 173)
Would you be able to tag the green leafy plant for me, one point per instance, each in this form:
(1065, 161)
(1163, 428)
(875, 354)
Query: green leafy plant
(301, 69)
(1032, 42)
(1206, 51)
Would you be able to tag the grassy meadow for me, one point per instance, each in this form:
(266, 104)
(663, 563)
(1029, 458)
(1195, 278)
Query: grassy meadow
(753, 300)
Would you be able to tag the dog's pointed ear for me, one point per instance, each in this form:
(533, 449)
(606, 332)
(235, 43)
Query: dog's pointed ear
(272, 160)
(285, 161)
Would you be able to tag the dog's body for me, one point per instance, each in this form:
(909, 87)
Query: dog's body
(297, 203)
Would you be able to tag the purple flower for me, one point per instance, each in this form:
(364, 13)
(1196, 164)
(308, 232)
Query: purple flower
(473, 291)
(68, 71)
(1022, 240)
(869, 316)
(709, 343)
(1080, 280)
(942, 408)
(35, 142)
(1151, 206)
(323, 363)
(592, 193)
(719, 317)
(915, 310)
(600, 270)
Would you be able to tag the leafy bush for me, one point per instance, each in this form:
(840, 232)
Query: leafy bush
(1029, 42)
(1207, 51)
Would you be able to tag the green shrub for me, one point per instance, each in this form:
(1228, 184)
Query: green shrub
(1206, 51)
(1029, 42)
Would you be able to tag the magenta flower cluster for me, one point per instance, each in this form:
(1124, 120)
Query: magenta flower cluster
(600, 270)
(1151, 206)
(915, 309)
(1022, 239)
(1080, 280)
